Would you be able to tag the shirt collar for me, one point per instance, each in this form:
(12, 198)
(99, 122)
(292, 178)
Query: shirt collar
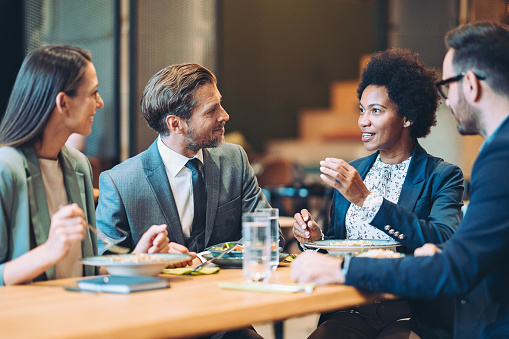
(400, 166)
(174, 161)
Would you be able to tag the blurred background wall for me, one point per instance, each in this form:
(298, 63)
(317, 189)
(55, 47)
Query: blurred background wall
(278, 57)
(287, 69)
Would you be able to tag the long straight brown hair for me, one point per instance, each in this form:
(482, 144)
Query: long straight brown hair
(45, 72)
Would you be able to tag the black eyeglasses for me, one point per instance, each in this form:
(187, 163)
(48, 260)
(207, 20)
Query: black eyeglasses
(443, 86)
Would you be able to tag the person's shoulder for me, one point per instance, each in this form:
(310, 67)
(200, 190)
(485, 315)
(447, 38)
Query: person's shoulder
(75, 155)
(438, 166)
(227, 149)
(12, 166)
(500, 142)
(8, 153)
(11, 158)
(494, 153)
(76, 160)
(435, 161)
(129, 165)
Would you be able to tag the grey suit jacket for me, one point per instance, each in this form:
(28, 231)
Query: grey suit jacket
(136, 194)
(24, 216)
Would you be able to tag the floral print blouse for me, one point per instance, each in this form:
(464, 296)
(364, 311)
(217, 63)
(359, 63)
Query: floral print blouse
(388, 180)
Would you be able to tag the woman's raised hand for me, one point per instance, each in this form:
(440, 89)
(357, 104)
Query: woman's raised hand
(342, 176)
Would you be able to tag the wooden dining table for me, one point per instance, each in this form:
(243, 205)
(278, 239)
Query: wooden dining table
(192, 306)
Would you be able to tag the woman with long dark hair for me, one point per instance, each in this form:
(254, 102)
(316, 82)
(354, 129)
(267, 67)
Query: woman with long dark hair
(46, 194)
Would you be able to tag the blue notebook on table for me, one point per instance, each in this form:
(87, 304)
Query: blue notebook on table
(122, 284)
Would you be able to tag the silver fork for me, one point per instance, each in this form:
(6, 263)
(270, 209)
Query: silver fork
(108, 244)
(205, 263)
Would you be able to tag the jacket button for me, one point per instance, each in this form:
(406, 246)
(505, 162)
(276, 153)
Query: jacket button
(387, 227)
(401, 236)
(463, 302)
(391, 232)
(396, 234)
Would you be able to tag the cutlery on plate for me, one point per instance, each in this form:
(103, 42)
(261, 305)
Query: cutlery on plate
(220, 255)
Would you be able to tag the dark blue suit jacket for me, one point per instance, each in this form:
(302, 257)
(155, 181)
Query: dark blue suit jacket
(428, 209)
(475, 259)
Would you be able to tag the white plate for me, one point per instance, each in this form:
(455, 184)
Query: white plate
(136, 264)
(333, 248)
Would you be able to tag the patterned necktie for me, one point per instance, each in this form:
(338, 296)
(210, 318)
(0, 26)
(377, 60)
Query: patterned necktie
(200, 204)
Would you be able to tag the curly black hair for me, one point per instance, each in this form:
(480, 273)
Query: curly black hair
(410, 85)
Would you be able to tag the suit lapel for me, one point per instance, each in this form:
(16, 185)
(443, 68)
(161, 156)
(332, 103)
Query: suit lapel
(342, 203)
(39, 214)
(74, 182)
(212, 180)
(415, 179)
(158, 181)
(364, 167)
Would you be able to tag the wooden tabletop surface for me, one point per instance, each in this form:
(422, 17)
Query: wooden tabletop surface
(193, 305)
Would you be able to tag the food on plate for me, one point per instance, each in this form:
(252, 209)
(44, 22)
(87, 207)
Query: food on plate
(352, 243)
(137, 257)
(380, 253)
(238, 247)
(290, 258)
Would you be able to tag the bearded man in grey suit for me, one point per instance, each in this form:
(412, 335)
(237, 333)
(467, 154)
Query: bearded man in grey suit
(181, 103)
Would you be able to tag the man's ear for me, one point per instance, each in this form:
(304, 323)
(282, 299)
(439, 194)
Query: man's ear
(174, 124)
(472, 87)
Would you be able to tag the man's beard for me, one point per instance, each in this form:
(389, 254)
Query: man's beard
(469, 124)
(194, 143)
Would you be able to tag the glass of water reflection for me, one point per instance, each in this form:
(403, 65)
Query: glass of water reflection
(257, 241)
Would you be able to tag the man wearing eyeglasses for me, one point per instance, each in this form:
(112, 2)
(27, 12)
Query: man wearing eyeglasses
(472, 266)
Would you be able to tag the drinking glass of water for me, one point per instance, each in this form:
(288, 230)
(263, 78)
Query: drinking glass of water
(273, 214)
(257, 254)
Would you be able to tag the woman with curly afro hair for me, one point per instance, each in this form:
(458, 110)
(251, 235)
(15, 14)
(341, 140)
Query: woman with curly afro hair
(400, 183)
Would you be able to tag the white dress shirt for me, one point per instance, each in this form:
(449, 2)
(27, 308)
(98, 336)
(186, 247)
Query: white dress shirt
(181, 183)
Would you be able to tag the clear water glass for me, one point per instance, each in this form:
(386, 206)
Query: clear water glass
(273, 214)
(257, 241)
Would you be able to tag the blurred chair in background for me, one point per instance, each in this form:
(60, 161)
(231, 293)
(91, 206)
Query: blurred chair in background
(286, 186)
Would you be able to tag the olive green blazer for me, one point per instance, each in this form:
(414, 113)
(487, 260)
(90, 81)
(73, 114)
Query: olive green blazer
(24, 216)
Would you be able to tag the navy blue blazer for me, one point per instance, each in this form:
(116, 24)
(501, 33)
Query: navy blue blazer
(428, 209)
(475, 259)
